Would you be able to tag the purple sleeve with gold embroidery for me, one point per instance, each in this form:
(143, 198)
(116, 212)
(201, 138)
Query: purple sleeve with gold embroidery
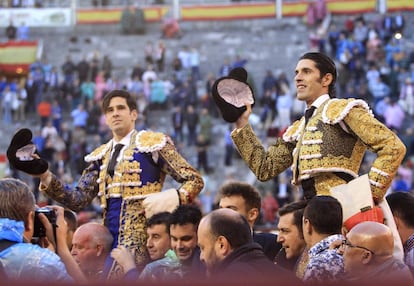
(76, 198)
(173, 164)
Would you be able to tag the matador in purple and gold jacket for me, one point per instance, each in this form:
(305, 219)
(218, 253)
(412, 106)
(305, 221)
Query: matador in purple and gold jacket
(122, 196)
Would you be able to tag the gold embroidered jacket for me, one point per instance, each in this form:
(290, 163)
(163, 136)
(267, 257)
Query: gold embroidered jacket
(334, 140)
(140, 172)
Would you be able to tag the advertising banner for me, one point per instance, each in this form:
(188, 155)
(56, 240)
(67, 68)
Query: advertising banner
(32, 17)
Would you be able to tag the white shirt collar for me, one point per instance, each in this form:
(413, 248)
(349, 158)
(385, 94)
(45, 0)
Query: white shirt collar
(320, 100)
(124, 141)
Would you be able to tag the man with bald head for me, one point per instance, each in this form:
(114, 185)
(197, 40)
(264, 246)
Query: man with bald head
(228, 250)
(368, 255)
(91, 245)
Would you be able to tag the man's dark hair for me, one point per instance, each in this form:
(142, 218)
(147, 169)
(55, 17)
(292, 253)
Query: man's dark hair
(71, 220)
(250, 195)
(160, 218)
(297, 208)
(325, 65)
(131, 101)
(402, 206)
(185, 214)
(324, 214)
(234, 228)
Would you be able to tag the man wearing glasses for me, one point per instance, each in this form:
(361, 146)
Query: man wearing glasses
(368, 255)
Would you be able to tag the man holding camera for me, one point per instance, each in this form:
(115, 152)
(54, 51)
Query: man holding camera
(20, 259)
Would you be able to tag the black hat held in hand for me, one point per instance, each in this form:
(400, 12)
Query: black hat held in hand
(19, 154)
(231, 93)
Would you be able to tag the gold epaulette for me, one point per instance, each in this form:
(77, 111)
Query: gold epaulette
(293, 132)
(149, 141)
(98, 153)
(336, 109)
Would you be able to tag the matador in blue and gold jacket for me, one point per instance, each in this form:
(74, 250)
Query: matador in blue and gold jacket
(122, 196)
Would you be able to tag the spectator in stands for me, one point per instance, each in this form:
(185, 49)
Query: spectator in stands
(225, 68)
(107, 67)
(23, 32)
(44, 110)
(87, 89)
(246, 200)
(229, 153)
(9, 98)
(322, 225)
(368, 256)
(68, 69)
(56, 115)
(191, 120)
(170, 28)
(406, 98)
(83, 68)
(394, 115)
(402, 207)
(202, 146)
(406, 171)
(310, 17)
(195, 64)
(53, 81)
(49, 130)
(239, 62)
(178, 120)
(79, 116)
(284, 103)
(11, 31)
(91, 246)
(21, 92)
(321, 10)
(269, 82)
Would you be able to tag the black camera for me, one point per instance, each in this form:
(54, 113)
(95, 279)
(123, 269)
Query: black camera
(39, 229)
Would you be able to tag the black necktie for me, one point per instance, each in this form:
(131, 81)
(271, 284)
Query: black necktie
(112, 163)
(309, 113)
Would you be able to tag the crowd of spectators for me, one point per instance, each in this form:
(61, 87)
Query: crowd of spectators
(310, 246)
(376, 65)
(65, 99)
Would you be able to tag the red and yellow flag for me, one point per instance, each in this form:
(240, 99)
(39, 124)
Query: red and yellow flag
(16, 56)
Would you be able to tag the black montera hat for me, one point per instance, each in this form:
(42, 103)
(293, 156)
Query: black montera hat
(231, 93)
(19, 154)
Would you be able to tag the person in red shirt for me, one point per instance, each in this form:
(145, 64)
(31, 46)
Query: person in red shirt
(44, 109)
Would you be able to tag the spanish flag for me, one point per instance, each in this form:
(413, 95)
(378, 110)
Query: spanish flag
(17, 56)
